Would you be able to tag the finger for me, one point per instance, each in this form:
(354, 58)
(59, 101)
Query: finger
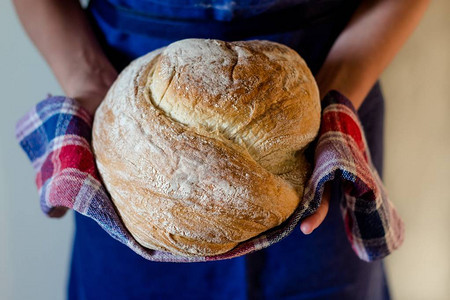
(313, 221)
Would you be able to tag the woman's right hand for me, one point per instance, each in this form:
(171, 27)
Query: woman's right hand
(89, 87)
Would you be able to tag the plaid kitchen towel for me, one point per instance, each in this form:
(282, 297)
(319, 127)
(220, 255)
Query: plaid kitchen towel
(56, 136)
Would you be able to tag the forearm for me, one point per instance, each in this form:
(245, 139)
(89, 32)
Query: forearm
(367, 45)
(62, 34)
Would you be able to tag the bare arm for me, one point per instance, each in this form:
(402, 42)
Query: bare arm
(375, 34)
(367, 45)
(61, 32)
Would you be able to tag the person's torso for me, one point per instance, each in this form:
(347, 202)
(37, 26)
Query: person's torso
(219, 10)
(318, 266)
(131, 28)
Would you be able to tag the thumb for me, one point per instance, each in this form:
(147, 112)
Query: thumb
(310, 223)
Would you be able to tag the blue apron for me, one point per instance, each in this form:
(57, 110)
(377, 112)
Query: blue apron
(319, 266)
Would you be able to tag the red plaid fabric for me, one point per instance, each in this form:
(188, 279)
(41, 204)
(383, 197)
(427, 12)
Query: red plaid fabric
(372, 223)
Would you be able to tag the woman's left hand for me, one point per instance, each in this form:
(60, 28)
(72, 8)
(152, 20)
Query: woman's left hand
(375, 33)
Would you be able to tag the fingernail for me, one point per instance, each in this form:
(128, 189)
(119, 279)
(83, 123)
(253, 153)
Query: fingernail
(305, 228)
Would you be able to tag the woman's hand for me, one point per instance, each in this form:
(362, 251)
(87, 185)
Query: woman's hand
(89, 87)
(362, 51)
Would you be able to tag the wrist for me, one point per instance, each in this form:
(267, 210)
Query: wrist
(89, 84)
(345, 77)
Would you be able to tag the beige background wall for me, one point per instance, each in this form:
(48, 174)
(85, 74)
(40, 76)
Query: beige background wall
(34, 250)
(417, 165)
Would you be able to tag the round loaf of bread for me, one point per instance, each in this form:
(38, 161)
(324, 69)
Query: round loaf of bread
(201, 143)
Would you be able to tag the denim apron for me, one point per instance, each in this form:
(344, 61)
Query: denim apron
(319, 266)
